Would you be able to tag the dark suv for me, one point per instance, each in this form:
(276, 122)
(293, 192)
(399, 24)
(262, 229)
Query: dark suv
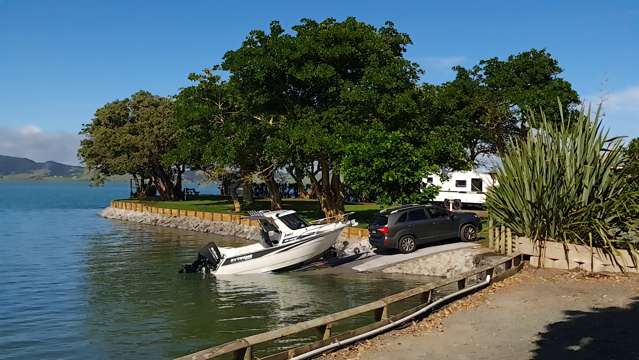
(406, 227)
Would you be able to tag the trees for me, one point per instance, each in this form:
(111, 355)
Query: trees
(632, 163)
(218, 135)
(488, 103)
(388, 167)
(559, 183)
(319, 86)
(133, 136)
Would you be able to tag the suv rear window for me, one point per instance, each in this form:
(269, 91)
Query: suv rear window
(437, 212)
(402, 218)
(416, 215)
(380, 220)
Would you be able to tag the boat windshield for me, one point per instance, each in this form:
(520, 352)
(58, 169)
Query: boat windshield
(293, 221)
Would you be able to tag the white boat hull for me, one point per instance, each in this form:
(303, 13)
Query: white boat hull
(283, 256)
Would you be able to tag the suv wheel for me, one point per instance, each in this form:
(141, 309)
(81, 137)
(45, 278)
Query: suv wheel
(468, 233)
(407, 244)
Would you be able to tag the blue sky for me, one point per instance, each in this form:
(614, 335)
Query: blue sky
(60, 60)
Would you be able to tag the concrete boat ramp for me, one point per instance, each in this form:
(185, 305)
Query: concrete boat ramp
(436, 260)
(378, 262)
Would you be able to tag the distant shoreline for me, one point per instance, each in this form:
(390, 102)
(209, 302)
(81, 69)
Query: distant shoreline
(16, 178)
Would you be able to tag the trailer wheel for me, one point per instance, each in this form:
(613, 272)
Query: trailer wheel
(457, 204)
(447, 204)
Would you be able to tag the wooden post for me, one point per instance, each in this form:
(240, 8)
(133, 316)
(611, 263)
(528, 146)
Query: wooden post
(490, 272)
(427, 296)
(461, 284)
(325, 331)
(491, 237)
(502, 239)
(509, 241)
(381, 313)
(243, 354)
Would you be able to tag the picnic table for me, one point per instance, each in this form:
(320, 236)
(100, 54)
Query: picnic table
(190, 192)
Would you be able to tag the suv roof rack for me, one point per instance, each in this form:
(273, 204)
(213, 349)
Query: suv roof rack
(403, 207)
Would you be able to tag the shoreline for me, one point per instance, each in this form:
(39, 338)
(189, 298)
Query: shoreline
(346, 245)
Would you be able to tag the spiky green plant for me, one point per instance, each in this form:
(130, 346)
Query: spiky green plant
(565, 182)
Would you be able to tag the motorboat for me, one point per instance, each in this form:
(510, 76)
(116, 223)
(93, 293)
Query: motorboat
(287, 241)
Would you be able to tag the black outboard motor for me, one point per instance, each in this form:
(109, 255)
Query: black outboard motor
(207, 259)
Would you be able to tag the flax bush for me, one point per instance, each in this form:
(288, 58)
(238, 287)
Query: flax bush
(566, 182)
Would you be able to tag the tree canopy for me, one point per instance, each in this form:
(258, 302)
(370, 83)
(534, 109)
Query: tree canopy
(134, 136)
(320, 86)
(488, 103)
(334, 103)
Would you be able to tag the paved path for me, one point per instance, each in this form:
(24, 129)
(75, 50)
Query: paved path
(380, 261)
(542, 315)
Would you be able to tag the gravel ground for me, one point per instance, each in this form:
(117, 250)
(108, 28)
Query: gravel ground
(536, 314)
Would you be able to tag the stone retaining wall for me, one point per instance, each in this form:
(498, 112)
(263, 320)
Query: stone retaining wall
(350, 241)
(349, 232)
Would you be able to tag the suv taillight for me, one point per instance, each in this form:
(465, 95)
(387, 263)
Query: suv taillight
(383, 230)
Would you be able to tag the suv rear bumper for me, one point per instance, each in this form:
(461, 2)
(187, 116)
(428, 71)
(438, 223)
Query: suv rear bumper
(379, 243)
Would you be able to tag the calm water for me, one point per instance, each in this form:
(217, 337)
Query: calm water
(75, 285)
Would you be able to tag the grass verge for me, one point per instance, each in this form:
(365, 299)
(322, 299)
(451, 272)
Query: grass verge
(308, 209)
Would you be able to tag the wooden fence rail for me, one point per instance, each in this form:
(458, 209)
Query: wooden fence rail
(380, 311)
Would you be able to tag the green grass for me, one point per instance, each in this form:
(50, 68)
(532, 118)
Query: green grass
(308, 209)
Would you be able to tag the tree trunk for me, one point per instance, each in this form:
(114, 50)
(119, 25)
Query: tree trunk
(247, 193)
(298, 175)
(165, 184)
(273, 192)
(232, 188)
(329, 190)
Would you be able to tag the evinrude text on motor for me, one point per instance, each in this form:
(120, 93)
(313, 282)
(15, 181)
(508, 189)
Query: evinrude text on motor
(287, 241)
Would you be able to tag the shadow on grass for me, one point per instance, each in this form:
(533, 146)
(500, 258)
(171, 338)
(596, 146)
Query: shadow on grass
(604, 333)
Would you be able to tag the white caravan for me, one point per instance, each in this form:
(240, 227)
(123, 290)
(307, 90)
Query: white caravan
(462, 188)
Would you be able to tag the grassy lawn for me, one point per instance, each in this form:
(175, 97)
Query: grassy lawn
(308, 209)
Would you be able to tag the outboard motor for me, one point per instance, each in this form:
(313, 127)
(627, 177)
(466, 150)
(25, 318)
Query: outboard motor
(207, 259)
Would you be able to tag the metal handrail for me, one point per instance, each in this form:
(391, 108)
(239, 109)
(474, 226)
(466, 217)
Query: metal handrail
(243, 348)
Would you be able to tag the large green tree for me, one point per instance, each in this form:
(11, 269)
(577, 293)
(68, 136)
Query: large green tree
(488, 103)
(219, 136)
(133, 136)
(390, 167)
(320, 85)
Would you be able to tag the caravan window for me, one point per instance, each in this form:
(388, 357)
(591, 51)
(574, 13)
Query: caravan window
(476, 185)
(429, 180)
(460, 183)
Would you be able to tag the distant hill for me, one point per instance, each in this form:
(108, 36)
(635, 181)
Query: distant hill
(15, 166)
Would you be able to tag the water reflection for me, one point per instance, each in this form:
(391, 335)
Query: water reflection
(140, 306)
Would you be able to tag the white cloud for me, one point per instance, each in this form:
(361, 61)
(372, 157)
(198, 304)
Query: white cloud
(620, 110)
(29, 130)
(440, 62)
(624, 100)
(36, 144)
